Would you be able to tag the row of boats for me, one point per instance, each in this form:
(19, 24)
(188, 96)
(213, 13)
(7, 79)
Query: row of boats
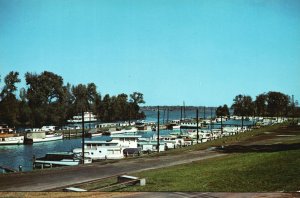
(8, 136)
(122, 143)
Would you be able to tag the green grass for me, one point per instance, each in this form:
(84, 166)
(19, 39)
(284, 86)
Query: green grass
(247, 172)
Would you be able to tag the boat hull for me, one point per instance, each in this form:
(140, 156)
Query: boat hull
(12, 140)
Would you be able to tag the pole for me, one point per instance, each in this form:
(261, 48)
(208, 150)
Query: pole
(183, 110)
(168, 115)
(197, 117)
(82, 113)
(204, 112)
(164, 116)
(211, 119)
(221, 124)
(180, 113)
(158, 129)
(242, 123)
(90, 120)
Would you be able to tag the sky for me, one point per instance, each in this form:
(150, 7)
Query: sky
(202, 52)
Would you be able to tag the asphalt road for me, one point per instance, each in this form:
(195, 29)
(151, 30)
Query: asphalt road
(49, 179)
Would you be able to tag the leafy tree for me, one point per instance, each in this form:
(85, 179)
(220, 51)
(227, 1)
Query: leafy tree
(8, 103)
(45, 96)
(10, 80)
(136, 98)
(243, 105)
(84, 96)
(277, 103)
(222, 111)
(261, 104)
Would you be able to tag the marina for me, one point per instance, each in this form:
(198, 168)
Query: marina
(117, 143)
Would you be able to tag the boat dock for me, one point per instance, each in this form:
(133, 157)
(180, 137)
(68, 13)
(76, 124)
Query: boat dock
(7, 169)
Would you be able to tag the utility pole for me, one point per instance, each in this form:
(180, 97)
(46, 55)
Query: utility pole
(181, 113)
(197, 117)
(82, 114)
(221, 124)
(158, 129)
(183, 110)
(211, 119)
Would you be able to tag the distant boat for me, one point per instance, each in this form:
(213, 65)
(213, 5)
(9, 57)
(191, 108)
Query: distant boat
(88, 117)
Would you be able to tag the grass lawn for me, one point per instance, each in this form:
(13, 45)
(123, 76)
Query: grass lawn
(246, 172)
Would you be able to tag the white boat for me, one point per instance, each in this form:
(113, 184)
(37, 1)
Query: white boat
(112, 149)
(51, 137)
(59, 159)
(35, 137)
(88, 117)
(10, 139)
(97, 150)
(8, 136)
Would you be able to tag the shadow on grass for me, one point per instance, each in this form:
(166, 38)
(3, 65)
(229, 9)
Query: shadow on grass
(258, 148)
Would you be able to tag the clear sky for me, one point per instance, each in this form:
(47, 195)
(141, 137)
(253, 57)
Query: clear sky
(203, 52)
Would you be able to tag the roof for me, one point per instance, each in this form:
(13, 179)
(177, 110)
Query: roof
(125, 136)
(100, 142)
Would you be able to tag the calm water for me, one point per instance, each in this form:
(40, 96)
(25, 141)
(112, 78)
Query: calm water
(14, 155)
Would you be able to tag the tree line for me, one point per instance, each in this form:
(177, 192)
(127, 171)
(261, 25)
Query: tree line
(272, 104)
(48, 101)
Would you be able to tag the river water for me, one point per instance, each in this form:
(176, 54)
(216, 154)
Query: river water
(13, 156)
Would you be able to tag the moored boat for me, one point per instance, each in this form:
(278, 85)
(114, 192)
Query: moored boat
(8, 136)
(58, 159)
(11, 139)
(36, 137)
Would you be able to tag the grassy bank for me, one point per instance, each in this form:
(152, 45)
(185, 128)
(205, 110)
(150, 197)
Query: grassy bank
(271, 166)
(246, 172)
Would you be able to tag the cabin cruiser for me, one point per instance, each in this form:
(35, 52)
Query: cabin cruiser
(42, 136)
(9, 137)
(59, 159)
(111, 149)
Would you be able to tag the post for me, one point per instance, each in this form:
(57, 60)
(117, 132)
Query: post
(242, 123)
(180, 113)
(184, 116)
(204, 112)
(33, 161)
(164, 116)
(168, 115)
(82, 113)
(197, 117)
(221, 124)
(211, 119)
(158, 129)
(90, 120)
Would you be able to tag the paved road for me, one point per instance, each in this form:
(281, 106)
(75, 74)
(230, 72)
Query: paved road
(55, 178)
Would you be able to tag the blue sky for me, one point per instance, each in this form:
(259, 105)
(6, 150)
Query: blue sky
(203, 52)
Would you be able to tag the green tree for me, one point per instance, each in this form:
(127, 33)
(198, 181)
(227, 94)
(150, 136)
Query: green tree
(222, 111)
(9, 105)
(277, 104)
(261, 104)
(136, 98)
(84, 97)
(45, 96)
(243, 105)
